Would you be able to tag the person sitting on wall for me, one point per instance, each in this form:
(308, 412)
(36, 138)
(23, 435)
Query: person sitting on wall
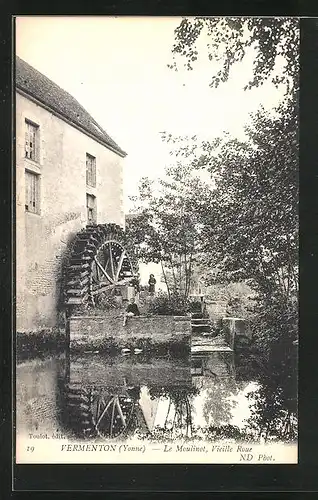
(132, 310)
(151, 283)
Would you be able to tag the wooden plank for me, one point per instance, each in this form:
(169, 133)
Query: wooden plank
(210, 348)
(201, 325)
(103, 271)
(74, 301)
(77, 282)
(198, 320)
(76, 291)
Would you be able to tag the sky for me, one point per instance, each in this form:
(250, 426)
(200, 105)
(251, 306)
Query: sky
(117, 69)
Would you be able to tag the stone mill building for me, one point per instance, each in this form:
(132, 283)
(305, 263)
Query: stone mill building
(68, 172)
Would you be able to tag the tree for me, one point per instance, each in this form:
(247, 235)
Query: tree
(249, 220)
(179, 413)
(166, 228)
(228, 39)
(249, 233)
(273, 405)
(250, 225)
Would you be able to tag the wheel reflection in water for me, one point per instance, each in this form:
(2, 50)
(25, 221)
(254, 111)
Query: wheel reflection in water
(111, 415)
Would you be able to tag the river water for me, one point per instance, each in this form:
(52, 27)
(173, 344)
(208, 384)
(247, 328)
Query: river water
(211, 396)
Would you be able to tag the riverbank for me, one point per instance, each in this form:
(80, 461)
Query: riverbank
(33, 344)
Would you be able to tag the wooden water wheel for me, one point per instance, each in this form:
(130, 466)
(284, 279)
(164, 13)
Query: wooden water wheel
(111, 414)
(104, 413)
(101, 261)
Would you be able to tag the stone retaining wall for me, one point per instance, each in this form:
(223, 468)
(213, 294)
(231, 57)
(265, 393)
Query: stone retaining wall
(216, 309)
(234, 328)
(108, 330)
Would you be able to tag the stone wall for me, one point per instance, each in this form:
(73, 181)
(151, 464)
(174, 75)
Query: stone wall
(233, 328)
(108, 330)
(42, 239)
(216, 308)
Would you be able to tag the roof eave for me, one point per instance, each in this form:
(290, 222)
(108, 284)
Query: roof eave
(67, 119)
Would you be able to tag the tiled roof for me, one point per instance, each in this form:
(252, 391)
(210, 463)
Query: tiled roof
(38, 86)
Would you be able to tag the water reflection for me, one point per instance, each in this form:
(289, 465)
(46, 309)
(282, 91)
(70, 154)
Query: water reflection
(38, 407)
(119, 395)
(115, 397)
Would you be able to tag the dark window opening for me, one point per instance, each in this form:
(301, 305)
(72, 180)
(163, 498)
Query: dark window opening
(91, 208)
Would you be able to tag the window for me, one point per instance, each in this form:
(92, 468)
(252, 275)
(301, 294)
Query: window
(197, 367)
(90, 170)
(91, 208)
(31, 140)
(31, 192)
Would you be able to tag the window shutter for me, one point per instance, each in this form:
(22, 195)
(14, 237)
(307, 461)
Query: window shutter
(31, 141)
(90, 170)
(31, 192)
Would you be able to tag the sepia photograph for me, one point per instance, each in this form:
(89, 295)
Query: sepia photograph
(156, 213)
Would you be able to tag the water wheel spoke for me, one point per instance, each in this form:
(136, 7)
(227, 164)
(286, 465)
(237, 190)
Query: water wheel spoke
(112, 418)
(98, 277)
(122, 417)
(103, 271)
(106, 256)
(98, 409)
(111, 262)
(104, 412)
(103, 288)
(120, 264)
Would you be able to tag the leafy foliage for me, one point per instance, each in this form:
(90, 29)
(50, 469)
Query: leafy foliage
(178, 421)
(218, 405)
(272, 418)
(228, 39)
(228, 431)
(257, 192)
(107, 302)
(176, 393)
(243, 218)
(249, 233)
(250, 228)
(166, 228)
(173, 305)
(238, 296)
(273, 364)
(249, 221)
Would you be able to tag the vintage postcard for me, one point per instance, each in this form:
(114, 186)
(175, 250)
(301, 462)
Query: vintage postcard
(156, 240)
